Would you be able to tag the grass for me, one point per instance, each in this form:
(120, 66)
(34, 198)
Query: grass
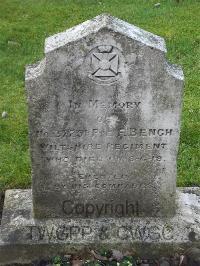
(25, 24)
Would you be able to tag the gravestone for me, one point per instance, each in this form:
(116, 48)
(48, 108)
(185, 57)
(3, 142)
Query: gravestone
(104, 123)
(104, 119)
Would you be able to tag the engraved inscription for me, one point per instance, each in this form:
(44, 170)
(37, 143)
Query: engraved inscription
(97, 146)
(103, 132)
(94, 159)
(99, 104)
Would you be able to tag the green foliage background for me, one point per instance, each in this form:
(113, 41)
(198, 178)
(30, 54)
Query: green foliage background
(24, 25)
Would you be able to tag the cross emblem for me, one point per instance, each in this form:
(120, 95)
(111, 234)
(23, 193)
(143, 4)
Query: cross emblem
(105, 63)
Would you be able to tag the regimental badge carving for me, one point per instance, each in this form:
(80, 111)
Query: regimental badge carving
(105, 63)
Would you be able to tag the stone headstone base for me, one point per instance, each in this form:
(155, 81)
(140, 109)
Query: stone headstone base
(24, 239)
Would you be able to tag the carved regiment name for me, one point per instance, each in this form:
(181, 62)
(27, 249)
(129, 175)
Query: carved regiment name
(100, 146)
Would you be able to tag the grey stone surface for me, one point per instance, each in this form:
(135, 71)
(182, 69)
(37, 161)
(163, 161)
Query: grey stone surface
(104, 118)
(23, 238)
(1, 204)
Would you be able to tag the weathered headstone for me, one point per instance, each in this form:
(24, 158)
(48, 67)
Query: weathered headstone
(104, 122)
(104, 117)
